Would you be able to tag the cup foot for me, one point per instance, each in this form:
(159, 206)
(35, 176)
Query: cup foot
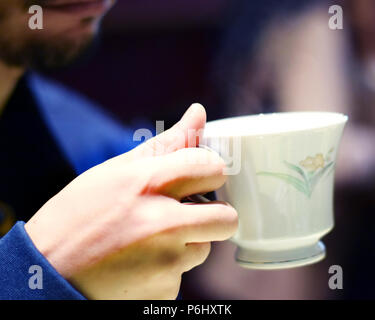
(280, 260)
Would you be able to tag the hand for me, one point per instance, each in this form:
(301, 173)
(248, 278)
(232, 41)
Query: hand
(119, 230)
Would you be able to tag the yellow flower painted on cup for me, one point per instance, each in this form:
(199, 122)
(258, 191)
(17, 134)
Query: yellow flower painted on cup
(307, 173)
(313, 163)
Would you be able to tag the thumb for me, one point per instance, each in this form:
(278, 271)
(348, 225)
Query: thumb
(185, 133)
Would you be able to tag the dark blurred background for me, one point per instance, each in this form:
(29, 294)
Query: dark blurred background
(153, 59)
(156, 57)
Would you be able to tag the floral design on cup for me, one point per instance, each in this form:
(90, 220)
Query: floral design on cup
(313, 163)
(309, 171)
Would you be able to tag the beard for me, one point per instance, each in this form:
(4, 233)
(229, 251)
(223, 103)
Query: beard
(44, 55)
(41, 52)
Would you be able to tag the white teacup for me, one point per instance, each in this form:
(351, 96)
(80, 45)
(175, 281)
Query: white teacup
(280, 171)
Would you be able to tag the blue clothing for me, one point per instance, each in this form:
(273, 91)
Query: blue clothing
(85, 136)
(18, 254)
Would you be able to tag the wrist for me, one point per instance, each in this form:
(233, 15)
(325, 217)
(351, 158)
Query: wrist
(48, 245)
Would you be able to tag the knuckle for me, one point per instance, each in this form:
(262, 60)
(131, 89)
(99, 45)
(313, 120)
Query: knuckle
(197, 253)
(229, 218)
(213, 158)
(216, 159)
(232, 214)
(201, 156)
(204, 250)
(225, 211)
(153, 177)
(220, 179)
(172, 289)
(232, 217)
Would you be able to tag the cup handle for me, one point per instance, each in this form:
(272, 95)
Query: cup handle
(197, 198)
(203, 146)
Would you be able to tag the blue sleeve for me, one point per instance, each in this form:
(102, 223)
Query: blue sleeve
(17, 255)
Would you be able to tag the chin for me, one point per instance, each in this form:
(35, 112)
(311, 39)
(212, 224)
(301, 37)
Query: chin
(86, 27)
(63, 39)
(56, 26)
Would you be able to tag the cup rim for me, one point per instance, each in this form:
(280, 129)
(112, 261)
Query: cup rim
(337, 119)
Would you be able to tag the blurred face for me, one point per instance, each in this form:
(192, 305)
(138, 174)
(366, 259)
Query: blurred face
(362, 13)
(68, 28)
